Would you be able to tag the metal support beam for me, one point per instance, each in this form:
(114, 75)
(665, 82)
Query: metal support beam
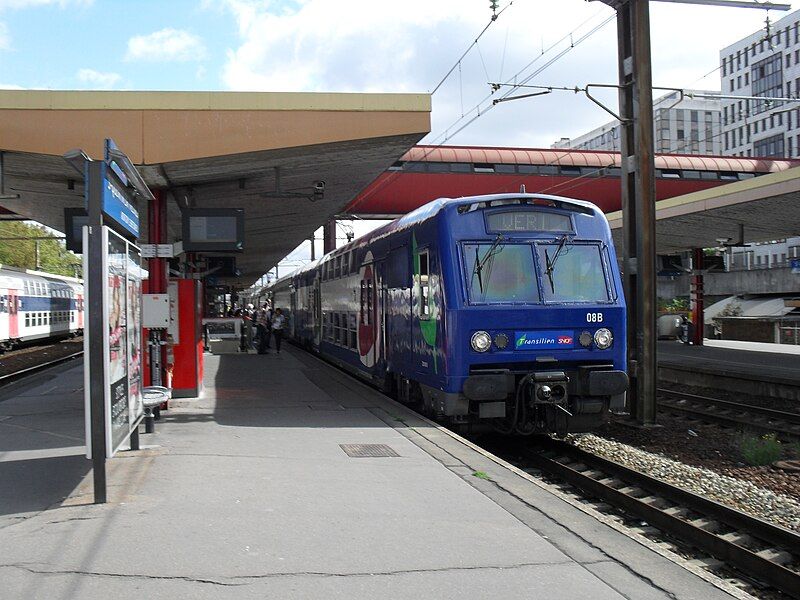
(94, 277)
(158, 273)
(329, 236)
(696, 297)
(638, 204)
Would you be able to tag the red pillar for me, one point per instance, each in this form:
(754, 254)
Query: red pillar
(158, 270)
(696, 297)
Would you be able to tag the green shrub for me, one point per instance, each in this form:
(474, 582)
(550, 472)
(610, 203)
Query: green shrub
(762, 450)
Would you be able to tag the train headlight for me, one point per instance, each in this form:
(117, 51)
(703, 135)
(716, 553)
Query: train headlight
(481, 341)
(603, 338)
(585, 339)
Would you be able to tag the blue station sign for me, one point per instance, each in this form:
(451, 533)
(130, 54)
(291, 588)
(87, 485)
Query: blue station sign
(543, 340)
(117, 207)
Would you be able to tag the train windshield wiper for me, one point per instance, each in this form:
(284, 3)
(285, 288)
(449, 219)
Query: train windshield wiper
(480, 262)
(551, 264)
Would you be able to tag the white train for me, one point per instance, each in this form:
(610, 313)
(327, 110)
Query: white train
(37, 306)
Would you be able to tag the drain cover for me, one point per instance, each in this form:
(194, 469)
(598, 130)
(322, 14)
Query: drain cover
(368, 450)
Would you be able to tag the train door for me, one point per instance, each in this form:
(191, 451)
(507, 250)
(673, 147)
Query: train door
(316, 311)
(367, 313)
(13, 315)
(80, 311)
(380, 311)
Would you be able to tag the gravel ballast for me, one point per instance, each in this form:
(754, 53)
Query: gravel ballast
(737, 493)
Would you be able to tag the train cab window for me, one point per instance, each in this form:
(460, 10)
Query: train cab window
(577, 275)
(500, 273)
(397, 166)
(424, 285)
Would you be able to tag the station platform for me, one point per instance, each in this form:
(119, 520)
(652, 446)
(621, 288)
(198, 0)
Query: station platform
(248, 492)
(776, 364)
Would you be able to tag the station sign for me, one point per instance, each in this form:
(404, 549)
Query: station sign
(119, 198)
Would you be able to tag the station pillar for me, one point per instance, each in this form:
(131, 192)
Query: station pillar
(329, 236)
(696, 295)
(157, 281)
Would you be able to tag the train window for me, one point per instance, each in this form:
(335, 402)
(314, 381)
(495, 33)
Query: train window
(353, 331)
(670, 173)
(709, 175)
(71, 317)
(500, 273)
(746, 175)
(337, 267)
(727, 176)
(424, 285)
(345, 264)
(578, 276)
(484, 168)
(27, 320)
(336, 327)
(505, 168)
(613, 172)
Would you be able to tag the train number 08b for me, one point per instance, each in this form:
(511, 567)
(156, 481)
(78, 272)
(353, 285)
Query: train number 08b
(594, 317)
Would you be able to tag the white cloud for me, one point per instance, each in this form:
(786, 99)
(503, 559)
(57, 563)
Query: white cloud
(356, 45)
(166, 45)
(98, 80)
(10, 86)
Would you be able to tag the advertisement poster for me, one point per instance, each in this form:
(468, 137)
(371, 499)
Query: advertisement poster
(134, 334)
(122, 340)
(116, 275)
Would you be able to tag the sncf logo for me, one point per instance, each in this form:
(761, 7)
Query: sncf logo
(565, 339)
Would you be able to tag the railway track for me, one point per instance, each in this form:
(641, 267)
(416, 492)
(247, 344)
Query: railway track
(758, 551)
(17, 375)
(725, 412)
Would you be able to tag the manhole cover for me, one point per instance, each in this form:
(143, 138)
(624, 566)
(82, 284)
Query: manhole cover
(368, 450)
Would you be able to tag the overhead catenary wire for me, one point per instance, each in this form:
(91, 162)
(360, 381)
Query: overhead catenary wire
(474, 43)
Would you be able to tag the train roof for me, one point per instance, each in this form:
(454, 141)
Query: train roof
(592, 158)
(42, 274)
(433, 208)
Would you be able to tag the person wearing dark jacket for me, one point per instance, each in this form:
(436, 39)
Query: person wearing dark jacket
(278, 322)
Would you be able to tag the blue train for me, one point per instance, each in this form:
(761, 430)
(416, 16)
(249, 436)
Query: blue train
(505, 310)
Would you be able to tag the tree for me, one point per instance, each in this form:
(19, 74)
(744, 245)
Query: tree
(18, 250)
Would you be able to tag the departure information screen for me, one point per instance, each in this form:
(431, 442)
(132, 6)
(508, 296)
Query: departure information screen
(527, 221)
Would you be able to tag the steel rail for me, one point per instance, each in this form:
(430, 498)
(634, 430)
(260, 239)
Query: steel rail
(767, 419)
(757, 548)
(16, 375)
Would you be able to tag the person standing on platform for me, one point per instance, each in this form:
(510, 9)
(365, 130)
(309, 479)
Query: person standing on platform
(263, 330)
(278, 322)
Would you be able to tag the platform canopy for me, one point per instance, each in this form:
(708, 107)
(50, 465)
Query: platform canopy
(766, 207)
(262, 152)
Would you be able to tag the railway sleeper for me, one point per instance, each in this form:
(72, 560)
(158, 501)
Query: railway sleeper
(707, 524)
(780, 557)
(739, 538)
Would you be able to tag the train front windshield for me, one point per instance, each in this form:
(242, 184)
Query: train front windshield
(569, 272)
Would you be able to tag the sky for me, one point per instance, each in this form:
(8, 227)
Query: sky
(368, 46)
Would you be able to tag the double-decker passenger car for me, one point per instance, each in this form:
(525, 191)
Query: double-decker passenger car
(37, 306)
(504, 310)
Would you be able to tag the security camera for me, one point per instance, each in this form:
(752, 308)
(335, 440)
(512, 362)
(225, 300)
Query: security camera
(319, 189)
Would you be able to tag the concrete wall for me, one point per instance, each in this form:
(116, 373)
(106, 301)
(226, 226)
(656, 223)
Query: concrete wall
(760, 281)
